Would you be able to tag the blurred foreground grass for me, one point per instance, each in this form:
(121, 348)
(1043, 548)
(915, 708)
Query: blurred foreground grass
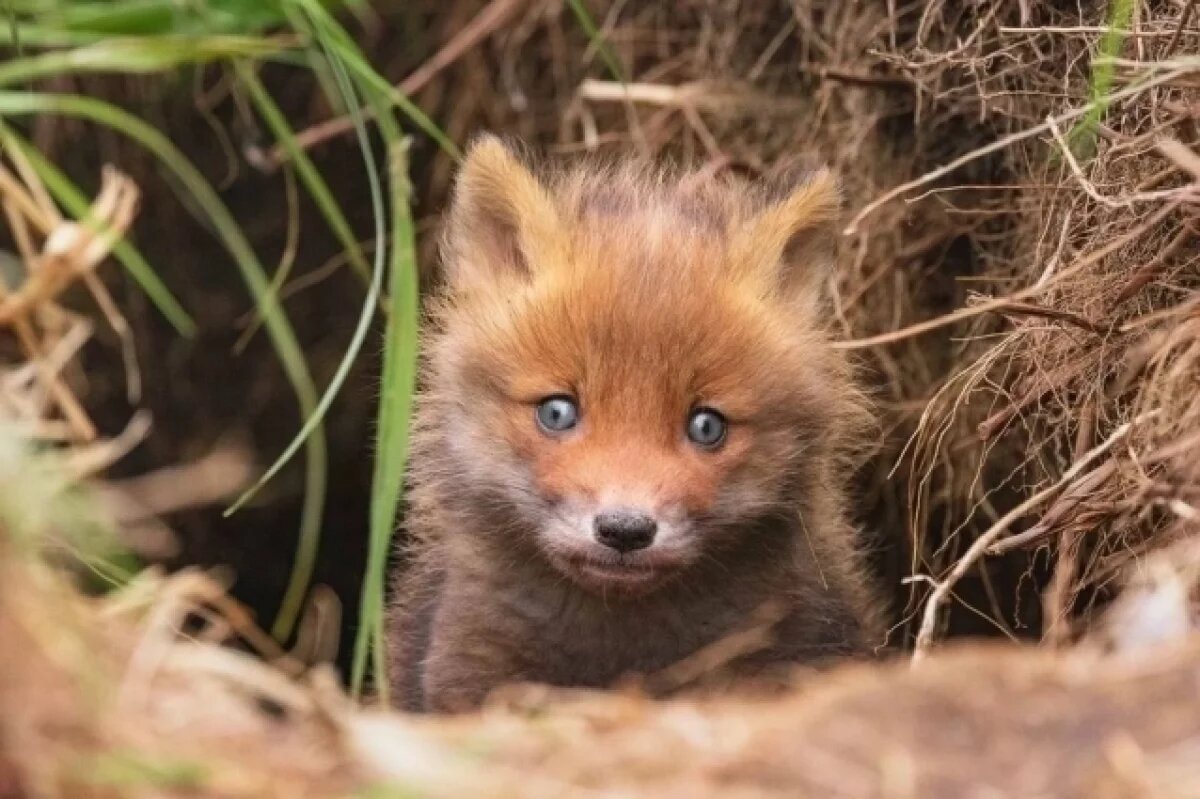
(49, 40)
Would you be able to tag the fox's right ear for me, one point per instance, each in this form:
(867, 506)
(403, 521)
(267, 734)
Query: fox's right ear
(503, 223)
(789, 245)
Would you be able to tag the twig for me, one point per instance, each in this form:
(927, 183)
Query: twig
(696, 94)
(84, 461)
(216, 476)
(984, 542)
(116, 320)
(1071, 499)
(1057, 599)
(71, 409)
(485, 23)
(767, 54)
(1030, 309)
(1184, 17)
(1009, 140)
(1087, 29)
(1178, 152)
(1088, 187)
(758, 634)
(1000, 303)
(648, 93)
(17, 194)
(1146, 273)
(1042, 384)
(859, 78)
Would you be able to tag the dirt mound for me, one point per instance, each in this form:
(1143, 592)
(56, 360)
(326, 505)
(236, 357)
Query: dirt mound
(103, 698)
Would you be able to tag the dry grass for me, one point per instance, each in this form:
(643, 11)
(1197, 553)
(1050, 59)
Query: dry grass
(52, 254)
(136, 695)
(1021, 275)
(1097, 330)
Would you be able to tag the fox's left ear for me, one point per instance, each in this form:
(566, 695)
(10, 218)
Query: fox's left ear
(789, 245)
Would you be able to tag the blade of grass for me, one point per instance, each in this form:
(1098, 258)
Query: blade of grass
(136, 55)
(396, 397)
(1082, 137)
(318, 64)
(148, 17)
(59, 24)
(12, 27)
(307, 549)
(22, 36)
(399, 367)
(401, 349)
(73, 199)
(336, 38)
(128, 16)
(395, 407)
(275, 320)
(584, 18)
(309, 174)
(377, 82)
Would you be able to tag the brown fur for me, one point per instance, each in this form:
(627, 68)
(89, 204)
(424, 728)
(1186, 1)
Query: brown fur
(641, 294)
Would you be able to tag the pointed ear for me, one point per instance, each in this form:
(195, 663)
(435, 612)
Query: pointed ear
(502, 221)
(789, 245)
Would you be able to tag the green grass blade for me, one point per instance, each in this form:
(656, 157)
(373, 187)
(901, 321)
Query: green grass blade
(399, 380)
(309, 174)
(127, 16)
(136, 55)
(377, 82)
(23, 36)
(275, 320)
(584, 18)
(58, 23)
(392, 427)
(306, 554)
(372, 84)
(1082, 137)
(400, 357)
(149, 17)
(73, 199)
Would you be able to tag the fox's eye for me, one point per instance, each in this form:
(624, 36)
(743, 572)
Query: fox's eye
(706, 427)
(557, 414)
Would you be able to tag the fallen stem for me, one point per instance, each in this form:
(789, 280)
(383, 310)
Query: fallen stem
(984, 542)
(1009, 140)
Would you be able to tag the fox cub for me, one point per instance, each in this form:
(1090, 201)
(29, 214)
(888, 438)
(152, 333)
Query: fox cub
(633, 433)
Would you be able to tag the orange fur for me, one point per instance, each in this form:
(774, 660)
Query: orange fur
(643, 295)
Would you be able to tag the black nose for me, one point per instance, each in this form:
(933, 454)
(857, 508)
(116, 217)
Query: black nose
(624, 530)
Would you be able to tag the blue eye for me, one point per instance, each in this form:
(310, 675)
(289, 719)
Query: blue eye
(557, 414)
(706, 427)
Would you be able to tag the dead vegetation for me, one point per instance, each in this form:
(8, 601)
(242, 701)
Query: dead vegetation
(129, 705)
(37, 401)
(1021, 276)
(1080, 382)
(48, 335)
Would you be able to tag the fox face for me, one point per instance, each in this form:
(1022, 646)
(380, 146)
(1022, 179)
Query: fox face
(627, 376)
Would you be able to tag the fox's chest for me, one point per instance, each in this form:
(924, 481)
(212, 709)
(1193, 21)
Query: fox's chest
(599, 646)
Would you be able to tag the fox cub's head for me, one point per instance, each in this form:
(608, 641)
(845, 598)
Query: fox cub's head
(627, 371)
